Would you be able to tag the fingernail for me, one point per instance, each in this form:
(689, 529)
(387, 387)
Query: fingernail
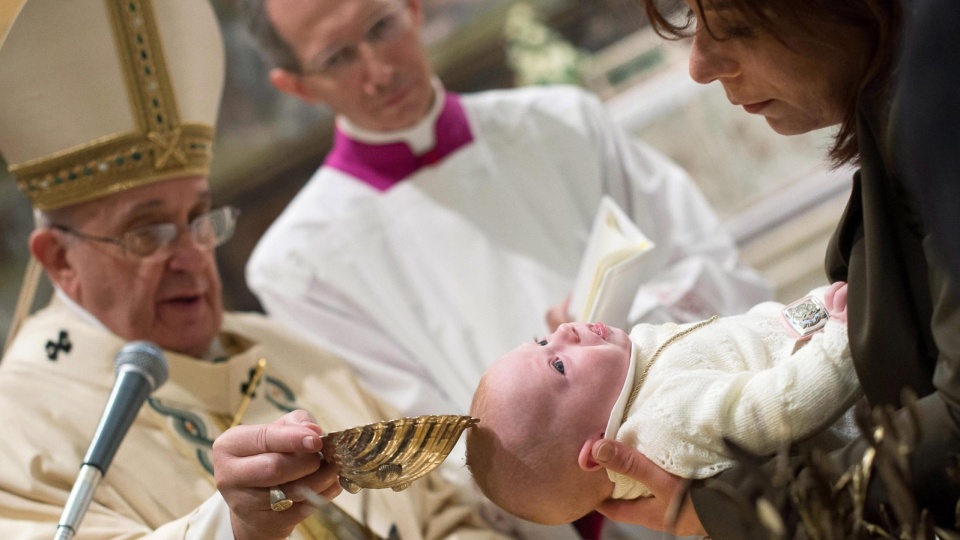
(310, 442)
(604, 452)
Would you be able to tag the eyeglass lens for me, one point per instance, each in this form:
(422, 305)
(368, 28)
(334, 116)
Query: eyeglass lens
(385, 28)
(208, 230)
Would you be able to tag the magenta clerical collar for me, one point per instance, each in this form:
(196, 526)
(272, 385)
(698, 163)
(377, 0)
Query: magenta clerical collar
(381, 165)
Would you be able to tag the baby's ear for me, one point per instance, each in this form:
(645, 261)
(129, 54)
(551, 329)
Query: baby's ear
(585, 459)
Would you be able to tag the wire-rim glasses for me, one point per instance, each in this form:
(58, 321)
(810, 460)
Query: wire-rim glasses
(209, 231)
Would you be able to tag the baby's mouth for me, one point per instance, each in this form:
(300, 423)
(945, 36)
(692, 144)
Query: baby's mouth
(599, 329)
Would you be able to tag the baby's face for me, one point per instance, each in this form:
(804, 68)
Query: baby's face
(572, 377)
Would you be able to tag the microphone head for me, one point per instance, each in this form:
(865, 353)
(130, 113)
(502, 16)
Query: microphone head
(145, 357)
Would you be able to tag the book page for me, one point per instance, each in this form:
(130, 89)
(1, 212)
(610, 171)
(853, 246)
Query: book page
(610, 271)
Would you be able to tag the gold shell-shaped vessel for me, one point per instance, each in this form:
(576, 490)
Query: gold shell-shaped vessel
(393, 454)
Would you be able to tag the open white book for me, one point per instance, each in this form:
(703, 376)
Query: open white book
(613, 266)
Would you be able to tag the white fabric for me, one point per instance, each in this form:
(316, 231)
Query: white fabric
(737, 377)
(420, 288)
(159, 485)
(619, 411)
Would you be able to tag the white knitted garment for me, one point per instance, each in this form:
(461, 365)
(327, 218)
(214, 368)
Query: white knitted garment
(737, 377)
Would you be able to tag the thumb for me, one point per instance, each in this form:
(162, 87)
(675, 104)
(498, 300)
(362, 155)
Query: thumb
(626, 460)
(620, 458)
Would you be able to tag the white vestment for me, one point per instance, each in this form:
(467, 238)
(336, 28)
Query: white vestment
(54, 383)
(737, 377)
(422, 286)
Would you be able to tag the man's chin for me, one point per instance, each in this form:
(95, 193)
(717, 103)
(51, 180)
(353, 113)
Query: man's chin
(194, 348)
(191, 340)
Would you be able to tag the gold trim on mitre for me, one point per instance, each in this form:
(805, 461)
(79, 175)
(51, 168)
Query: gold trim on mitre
(160, 147)
(114, 164)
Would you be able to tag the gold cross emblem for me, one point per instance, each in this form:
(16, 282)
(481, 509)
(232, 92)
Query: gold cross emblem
(167, 148)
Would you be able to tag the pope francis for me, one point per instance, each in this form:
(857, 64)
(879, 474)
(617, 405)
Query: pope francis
(107, 115)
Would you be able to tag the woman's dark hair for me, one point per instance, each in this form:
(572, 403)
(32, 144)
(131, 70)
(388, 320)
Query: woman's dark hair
(880, 20)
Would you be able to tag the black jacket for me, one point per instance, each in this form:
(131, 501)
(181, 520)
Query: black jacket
(904, 325)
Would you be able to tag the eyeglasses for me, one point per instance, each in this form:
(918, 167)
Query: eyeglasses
(385, 28)
(209, 230)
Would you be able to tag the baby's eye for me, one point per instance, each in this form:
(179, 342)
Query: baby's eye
(542, 343)
(558, 365)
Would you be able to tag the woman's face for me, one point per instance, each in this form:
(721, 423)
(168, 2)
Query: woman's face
(795, 78)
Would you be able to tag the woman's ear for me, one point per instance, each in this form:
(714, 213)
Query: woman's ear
(48, 246)
(585, 459)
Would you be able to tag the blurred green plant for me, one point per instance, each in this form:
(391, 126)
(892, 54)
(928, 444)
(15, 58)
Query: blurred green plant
(537, 54)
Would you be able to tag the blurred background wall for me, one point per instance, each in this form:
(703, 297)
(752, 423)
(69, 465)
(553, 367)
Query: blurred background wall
(773, 192)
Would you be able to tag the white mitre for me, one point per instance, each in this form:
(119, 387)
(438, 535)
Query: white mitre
(100, 96)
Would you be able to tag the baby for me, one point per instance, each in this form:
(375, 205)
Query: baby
(771, 376)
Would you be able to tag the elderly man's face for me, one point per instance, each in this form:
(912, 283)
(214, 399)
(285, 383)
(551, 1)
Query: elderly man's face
(172, 298)
(362, 58)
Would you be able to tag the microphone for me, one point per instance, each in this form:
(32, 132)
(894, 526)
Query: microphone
(140, 368)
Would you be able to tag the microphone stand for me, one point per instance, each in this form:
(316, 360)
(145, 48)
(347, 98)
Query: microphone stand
(141, 368)
(78, 502)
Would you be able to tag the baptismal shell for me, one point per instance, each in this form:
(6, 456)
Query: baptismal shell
(393, 454)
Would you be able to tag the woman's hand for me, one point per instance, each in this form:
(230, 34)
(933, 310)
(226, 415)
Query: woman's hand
(251, 460)
(835, 300)
(659, 512)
